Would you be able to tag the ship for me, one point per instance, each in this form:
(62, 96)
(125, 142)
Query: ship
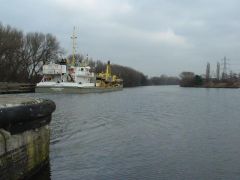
(68, 78)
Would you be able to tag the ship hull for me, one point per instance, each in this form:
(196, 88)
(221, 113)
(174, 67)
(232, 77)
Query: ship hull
(75, 90)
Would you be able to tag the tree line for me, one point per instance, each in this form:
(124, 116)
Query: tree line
(163, 80)
(190, 79)
(130, 76)
(22, 56)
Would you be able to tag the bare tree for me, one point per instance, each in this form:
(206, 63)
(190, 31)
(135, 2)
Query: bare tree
(79, 58)
(208, 72)
(10, 47)
(22, 56)
(38, 50)
(187, 79)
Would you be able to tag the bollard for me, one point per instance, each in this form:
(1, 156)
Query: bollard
(24, 135)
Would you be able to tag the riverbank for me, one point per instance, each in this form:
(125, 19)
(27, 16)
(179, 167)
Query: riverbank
(222, 85)
(214, 85)
(13, 88)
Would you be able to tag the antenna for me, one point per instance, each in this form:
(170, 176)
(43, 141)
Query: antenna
(74, 45)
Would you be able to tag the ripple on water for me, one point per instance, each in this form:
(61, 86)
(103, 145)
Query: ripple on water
(162, 132)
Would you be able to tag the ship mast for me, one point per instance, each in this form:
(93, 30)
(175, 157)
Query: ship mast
(74, 45)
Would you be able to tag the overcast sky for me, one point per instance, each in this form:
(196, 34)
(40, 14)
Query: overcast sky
(153, 36)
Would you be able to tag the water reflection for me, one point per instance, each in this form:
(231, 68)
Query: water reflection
(145, 133)
(43, 174)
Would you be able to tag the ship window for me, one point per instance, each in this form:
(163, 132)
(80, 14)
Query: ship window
(81, 69)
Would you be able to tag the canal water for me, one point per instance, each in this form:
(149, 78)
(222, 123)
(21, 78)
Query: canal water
(162, 132)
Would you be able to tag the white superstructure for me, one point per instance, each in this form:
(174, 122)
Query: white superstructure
(56, 75)
(54, 69)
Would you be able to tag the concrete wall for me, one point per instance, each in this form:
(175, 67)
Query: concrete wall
(24, 135)
(23, 154)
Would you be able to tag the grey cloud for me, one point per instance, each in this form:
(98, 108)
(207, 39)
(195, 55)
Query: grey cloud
(155, 37)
